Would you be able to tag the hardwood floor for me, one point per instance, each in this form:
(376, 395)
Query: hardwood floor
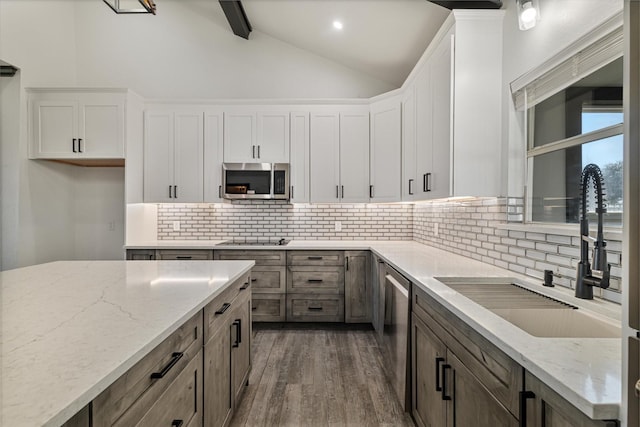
(305, 375)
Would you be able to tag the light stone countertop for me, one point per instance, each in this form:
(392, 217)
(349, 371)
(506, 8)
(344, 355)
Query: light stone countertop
(585, 371)
(71, 328)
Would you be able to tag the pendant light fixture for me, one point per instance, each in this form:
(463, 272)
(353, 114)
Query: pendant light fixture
(528, 13)
(132, 6)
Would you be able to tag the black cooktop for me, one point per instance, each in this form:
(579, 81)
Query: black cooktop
(281, 242)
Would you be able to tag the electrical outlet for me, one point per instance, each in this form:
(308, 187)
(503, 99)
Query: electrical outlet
(176, 225)
(435, 229)
(338, 226)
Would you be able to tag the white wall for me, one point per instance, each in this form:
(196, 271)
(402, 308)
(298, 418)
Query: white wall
(561, 23)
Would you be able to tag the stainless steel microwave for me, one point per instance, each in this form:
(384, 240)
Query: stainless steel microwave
(255, 181)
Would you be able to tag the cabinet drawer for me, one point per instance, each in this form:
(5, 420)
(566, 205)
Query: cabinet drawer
(318, 280)
(265, 279)
(199, 255)
(315, 258)
(216, 311)
(498, 373)
(315, 308)
(137, 387)
(260, 257)
(141, 254)
(181, 401)
(268, 307)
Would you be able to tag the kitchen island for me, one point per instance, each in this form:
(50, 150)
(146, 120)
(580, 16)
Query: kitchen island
(72, 328)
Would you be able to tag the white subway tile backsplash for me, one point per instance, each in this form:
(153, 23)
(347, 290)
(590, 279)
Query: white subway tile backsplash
(474, 228)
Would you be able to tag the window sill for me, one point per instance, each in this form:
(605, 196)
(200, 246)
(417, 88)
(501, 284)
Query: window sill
(572, 230)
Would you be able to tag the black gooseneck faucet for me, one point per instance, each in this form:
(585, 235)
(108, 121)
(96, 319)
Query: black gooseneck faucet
(585, 281)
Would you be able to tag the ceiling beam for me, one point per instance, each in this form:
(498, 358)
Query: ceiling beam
(469, 4)
(237, 18)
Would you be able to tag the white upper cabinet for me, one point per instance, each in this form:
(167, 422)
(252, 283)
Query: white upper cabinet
(354, 156)
(451, 120)
(325, 157)
(213, 140)
(340, 155)
(384, 150)
(76, 124)
(409, 162)
(299, 157)
(173, 156)
(256, 136)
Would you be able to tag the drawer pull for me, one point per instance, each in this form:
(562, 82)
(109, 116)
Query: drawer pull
(439, 360)
(314, 258)
(444, 382)
(245, 286)
(254, 308)
(177, 423)
(224, 308)
(314, 308)
(253, 279)
(524, 395)
(315, 280)
(184, 257)
(174, 359)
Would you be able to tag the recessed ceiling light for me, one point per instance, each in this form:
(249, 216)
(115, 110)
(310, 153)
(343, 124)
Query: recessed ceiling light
(337, 25)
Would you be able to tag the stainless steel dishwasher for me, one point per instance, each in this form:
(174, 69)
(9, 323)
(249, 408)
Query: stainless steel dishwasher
(396, 331)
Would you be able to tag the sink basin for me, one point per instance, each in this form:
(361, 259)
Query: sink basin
(536, 314)
(550, 323)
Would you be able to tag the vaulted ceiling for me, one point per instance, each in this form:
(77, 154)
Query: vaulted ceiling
(382, 38)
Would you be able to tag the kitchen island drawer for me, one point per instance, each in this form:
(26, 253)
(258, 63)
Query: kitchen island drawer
(315, 308)
(141, 386)
(179, 405)
(261, 257)
(215, 313)
(321, 258)
(184, 254)
(268, 307)
(315, 280)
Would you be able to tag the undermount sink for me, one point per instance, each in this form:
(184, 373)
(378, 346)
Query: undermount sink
(536, 314)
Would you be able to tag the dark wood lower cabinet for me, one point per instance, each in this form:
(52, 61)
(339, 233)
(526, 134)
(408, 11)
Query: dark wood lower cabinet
(470, 404)
(218, 405)
(429, 353)
(546, 408)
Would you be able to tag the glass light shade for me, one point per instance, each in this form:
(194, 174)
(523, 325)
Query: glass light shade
(132, 6)
(528, 13)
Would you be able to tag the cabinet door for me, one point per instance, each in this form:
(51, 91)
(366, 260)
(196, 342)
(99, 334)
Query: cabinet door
(354, 157)
(546, 408)
(101, 129)
(299, 155)
(188, 157)
(54, 130)
(357, 287)
(213, 137)
(158, 156)
(217, 379)
(240, 137)
(438, 182)
(427, 360)
(409, 163)
(471, 403)
(424, 131)
(385, 151)
(240, 332)
(272, 137)
(325, 157)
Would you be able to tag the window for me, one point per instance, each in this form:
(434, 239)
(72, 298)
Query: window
(579, 125)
